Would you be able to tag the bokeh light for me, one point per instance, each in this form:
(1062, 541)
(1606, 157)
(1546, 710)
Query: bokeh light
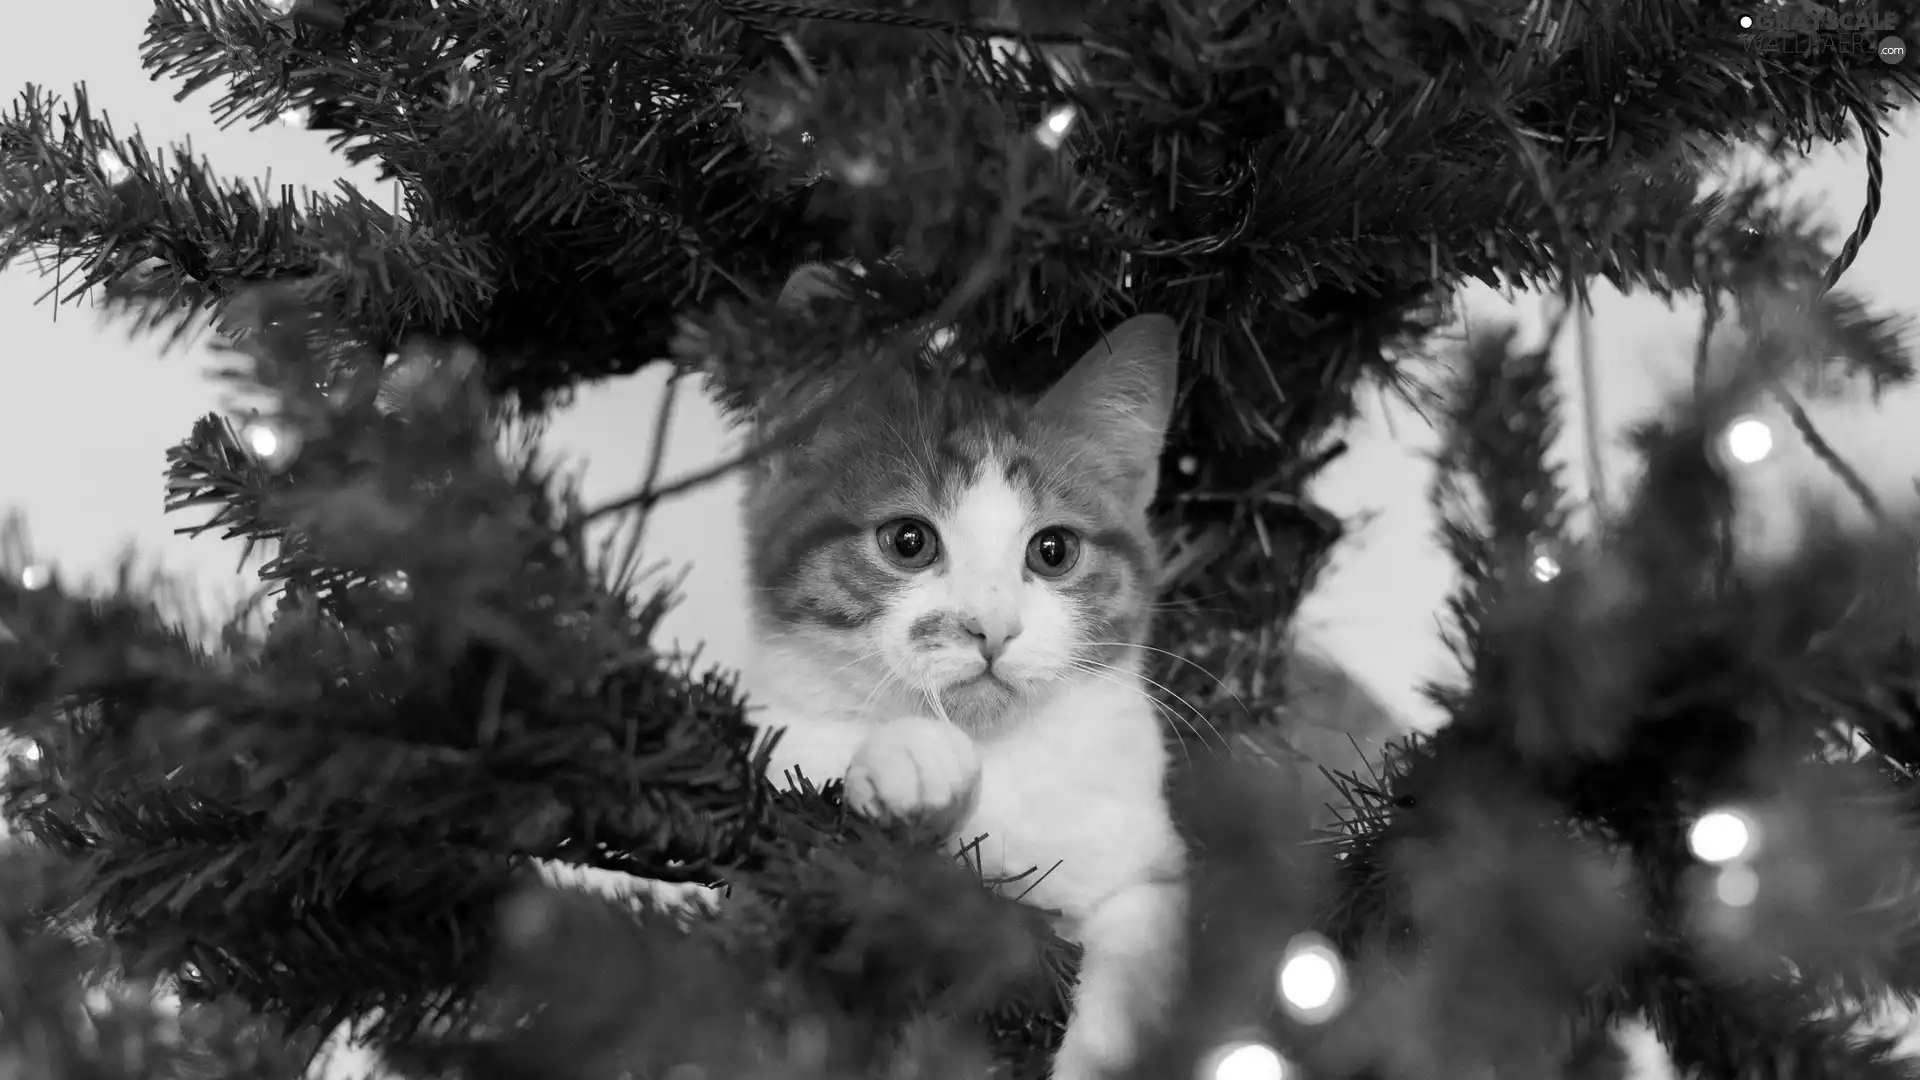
(276, 444)
(1244, 1061)
(1312, 979)
(1736, 886)
(1053, 131)
(1720, 836)
(1748, 440)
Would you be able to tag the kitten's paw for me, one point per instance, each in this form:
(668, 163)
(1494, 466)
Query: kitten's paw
(914, 767)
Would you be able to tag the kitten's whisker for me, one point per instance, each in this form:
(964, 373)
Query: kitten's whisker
(887, 678)
(1217, 681)
(1197, 714)
(933, 700)
(1184, 606)
(862, 658)
(1166, 713)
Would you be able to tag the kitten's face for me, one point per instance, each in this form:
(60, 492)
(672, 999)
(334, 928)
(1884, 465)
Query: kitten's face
(971, 550)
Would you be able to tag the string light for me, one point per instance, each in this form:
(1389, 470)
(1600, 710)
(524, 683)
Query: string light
(1748, 441)
(862, 171)
(942, 339)
(112, 169)
(396, 584)
(1720, 836)
(1312, 979)
(1053, 131)
(1244, 1061)
(1544, 567)
(35, 578)
(274, 443)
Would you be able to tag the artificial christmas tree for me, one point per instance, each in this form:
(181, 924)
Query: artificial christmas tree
(340, 819)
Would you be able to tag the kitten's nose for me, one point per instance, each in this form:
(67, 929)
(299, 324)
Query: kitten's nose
(992, 634)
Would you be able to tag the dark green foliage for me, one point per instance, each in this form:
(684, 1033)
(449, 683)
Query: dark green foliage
(336, 818)
(1644, 685)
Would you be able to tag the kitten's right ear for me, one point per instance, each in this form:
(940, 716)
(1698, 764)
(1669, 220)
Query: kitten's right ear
(1121, 395)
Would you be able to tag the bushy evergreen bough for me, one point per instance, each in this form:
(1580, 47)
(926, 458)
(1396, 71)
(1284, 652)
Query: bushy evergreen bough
(338, 818)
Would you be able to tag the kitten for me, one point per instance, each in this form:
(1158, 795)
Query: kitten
(947, 586)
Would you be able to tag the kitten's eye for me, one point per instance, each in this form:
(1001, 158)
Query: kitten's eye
(1053, 551)
(909, 543)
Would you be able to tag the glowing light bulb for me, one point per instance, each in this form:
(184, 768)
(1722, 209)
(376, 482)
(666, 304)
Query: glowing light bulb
(274, 443)
(35, 578)
(1746, 22)
(263, 440)
(1748, 441)
(1736, 886)
(1053, 131)
(942, 339)
(1244, 1061)
(1544, 567)
(862, 171)
(396, 584)
(1720, 836)
(1312, 979)
(27, 751)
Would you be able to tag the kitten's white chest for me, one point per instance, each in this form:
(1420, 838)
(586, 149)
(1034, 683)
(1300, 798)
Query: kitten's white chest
(1074, 799)
(1071, 804)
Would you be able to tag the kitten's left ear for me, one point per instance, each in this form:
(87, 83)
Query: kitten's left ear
(792, 396)
(1120, 395)
(810, 282)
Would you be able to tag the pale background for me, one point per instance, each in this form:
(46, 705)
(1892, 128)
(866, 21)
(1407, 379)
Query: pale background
(86, 414)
